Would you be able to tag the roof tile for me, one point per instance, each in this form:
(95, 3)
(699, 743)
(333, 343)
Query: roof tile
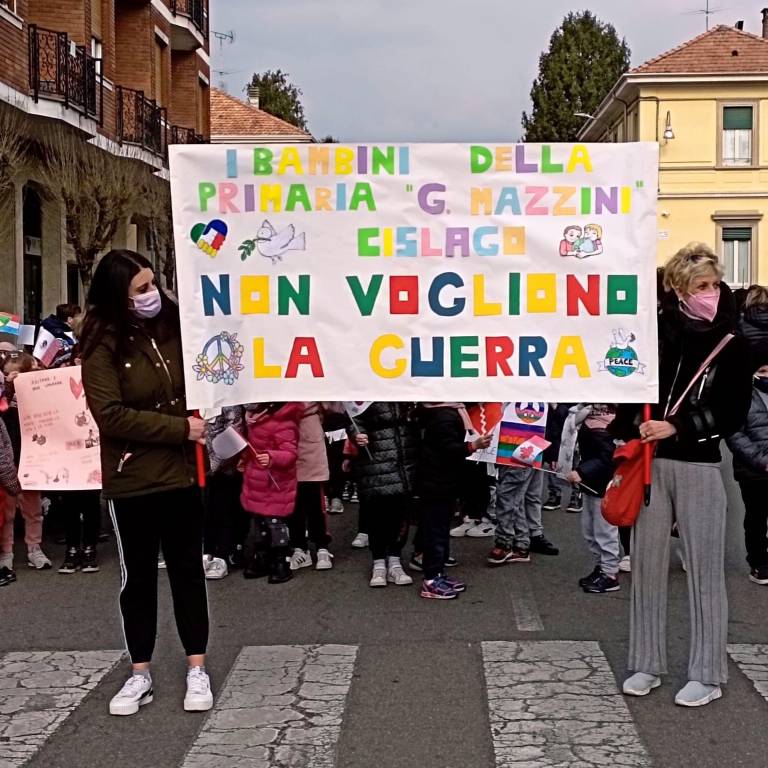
(721, 50)
(232, 117)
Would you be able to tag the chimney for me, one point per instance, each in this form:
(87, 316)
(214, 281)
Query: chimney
(765, 22)
(253, 90)
(740, 25)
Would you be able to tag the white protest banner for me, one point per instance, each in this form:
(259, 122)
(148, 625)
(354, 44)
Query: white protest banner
(59, 438)
(441, 272)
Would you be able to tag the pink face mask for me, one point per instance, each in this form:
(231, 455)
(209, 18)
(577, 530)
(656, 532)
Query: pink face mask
(701, 306)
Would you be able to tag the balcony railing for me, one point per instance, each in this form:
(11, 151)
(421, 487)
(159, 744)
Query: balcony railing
(181, 135)
(140, 121)
(61, 70)
(195, 10)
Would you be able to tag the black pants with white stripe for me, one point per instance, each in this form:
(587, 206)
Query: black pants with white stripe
(172, 520)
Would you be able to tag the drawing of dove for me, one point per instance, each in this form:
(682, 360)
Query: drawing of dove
(272, 244)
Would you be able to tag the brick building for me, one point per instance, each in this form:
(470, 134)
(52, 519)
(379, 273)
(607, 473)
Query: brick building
(130, 76)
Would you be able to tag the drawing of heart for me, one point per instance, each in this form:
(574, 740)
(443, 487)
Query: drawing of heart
(76, 387)
(486, 416)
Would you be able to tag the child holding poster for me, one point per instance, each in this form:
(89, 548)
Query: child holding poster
(13, 364)
(519, 489)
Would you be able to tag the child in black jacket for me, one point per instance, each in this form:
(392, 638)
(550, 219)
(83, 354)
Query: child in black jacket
(444, 449)
(593, 474)
(750, 468)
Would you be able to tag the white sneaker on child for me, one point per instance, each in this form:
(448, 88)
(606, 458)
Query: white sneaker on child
(395, 573)
(199, 697)
(378, 575)
(482, 529)
(36, 558)
(6, 560)
(214, 567)
(300, 559)
(360, 541)
(324, 560)
(136, 692)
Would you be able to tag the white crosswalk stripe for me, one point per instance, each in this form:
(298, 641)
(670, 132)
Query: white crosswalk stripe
(551, 703)
(752, 660)
(38, 691)
(555, 703)
(280, 705)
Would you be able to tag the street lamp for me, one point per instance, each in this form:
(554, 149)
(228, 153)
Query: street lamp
(584, 115)
(668, 132)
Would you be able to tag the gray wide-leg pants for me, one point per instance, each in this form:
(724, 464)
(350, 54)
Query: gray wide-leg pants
(694, 495)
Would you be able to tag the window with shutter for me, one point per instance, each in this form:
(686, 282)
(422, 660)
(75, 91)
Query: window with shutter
(96, 20)
(736, 141)
(737, 255)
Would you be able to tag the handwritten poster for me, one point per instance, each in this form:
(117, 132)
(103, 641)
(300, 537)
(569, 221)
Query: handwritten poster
(59, 439)
(517, 434)
(413, 272)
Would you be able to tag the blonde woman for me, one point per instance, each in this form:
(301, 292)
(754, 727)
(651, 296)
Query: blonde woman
(697, 312)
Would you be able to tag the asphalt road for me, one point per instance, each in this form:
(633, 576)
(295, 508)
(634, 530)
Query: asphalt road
(418, 695)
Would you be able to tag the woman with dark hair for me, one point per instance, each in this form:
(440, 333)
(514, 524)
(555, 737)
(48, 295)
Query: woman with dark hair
(134, 382)
(697, 317)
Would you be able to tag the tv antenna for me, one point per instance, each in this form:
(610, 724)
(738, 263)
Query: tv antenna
(222, 74)
(224, 36)
(706, 12)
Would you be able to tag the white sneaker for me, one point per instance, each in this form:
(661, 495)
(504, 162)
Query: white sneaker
(625, 565)
(378, 576)
(36, 558)
(324, 560)
(396, 574)
(695, 694)
(337, 506)
(6, 560)
(215, 567)
(360, 541)
(136, 692)
(199, 696)
(300, 559)
(483, 529)
(640, 684)
(461, 530)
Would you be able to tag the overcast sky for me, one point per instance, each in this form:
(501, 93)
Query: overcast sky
(428, 70)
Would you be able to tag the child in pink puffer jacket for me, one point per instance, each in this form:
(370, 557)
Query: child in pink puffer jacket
(269, 485)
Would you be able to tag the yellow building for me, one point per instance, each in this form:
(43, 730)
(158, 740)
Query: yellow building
(705, 103)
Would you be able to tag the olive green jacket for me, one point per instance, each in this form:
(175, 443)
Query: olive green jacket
(137, 398)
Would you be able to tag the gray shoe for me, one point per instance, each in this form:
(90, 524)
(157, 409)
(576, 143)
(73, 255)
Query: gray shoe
(640, 684)
(695, 694)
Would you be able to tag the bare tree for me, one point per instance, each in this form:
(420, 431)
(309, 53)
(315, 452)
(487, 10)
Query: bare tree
(14, 145)
(96, 189)
(156, 196)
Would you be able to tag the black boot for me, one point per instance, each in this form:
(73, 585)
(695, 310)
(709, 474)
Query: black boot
(256, 567)
(279, 566)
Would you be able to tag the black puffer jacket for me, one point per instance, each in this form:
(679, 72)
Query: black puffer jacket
(750, 445)
(717, 405)
(393, 445)
(443, 452)
(596, 447)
